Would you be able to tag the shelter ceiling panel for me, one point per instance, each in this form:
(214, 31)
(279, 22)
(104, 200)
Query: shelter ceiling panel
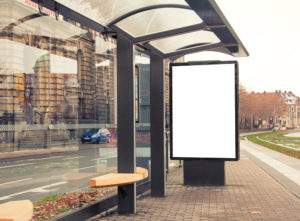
(175, 43)
(106, 11)
(158, 20)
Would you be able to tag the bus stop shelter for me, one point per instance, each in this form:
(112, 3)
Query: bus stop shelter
(167, 29)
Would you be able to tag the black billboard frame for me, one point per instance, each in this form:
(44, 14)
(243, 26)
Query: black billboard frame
(236, 88)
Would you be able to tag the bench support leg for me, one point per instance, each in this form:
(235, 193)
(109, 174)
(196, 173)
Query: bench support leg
(127, 203)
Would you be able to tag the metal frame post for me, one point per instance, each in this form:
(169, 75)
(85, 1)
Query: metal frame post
(157, 120)
(126, 123)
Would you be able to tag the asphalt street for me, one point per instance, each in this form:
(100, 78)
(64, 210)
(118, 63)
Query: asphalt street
(37, 177)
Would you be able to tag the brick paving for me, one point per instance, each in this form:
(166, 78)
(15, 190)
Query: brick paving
(249, 194)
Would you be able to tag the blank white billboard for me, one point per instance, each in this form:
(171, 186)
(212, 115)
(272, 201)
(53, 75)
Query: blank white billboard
(204, 106)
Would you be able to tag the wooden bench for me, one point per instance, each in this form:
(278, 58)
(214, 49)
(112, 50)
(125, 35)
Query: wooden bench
(119, 179)
(21, 210)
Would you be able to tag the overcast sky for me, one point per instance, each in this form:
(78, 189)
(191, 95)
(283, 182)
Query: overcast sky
(270, 31)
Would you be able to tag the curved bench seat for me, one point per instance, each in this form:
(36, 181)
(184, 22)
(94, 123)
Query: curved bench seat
(119, 179)
(21, 210)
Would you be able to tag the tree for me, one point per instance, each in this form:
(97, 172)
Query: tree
(256, 108)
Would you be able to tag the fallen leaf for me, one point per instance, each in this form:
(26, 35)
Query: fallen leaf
(255, 212)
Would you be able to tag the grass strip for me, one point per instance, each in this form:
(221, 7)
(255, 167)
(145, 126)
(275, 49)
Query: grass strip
(265, 136)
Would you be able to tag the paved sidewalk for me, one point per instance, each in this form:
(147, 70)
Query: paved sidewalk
(283, 168)
(250, 194)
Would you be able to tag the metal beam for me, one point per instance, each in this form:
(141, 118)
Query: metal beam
(193, 45)
(154, 50)
(222, 50)
(194, 50)
(157, 120)
(74, 16)
(211, 14)
(174, 32)
(123, 33)
(126, 123)
(170, 33)
(146, 9)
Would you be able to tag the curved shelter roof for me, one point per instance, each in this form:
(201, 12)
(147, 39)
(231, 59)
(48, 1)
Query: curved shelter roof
(168, 27)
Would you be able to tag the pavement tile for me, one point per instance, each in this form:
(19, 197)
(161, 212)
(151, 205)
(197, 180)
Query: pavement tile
(250, 194)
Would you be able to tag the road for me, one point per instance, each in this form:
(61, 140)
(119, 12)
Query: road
(35, 178)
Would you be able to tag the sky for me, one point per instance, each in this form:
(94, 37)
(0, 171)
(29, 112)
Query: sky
(270, 31)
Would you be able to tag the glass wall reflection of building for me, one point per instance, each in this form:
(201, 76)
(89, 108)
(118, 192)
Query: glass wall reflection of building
(57, 81)
(51, 72)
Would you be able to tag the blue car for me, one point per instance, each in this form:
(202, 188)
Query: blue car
(96, 135)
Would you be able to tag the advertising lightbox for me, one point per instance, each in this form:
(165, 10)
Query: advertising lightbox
(204, 110)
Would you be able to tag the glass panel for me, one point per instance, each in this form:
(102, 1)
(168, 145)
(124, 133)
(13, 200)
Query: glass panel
(11, 12)
(23, 175)
(158, 20)
(142, 104)
(171, 44)
(57, 107)
(104, 11)
(172, 165)
(43, 26)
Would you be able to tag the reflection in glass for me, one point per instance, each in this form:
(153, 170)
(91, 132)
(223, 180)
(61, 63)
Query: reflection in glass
(57, 82)
(143, 141)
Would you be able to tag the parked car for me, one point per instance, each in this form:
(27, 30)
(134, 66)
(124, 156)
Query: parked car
(96, 135)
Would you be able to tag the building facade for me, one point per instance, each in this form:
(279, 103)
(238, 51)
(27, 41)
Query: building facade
(52, 71)
(291, 117)
(277, 108)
